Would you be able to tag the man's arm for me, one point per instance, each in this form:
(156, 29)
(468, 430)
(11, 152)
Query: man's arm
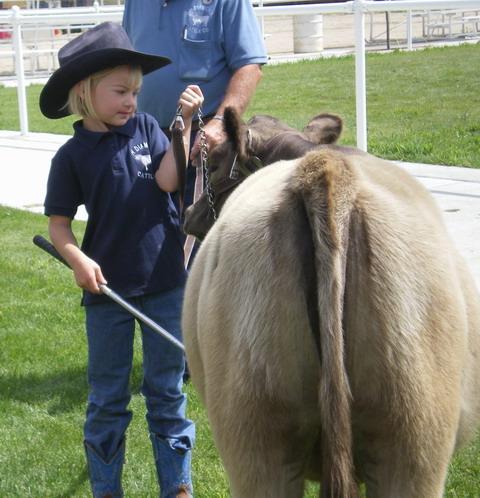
(241, 88)
(239, 94)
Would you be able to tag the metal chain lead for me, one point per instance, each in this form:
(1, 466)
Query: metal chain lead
(204, 164)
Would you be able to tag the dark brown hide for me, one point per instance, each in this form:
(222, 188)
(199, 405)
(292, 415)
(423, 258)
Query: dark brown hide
(264, 137)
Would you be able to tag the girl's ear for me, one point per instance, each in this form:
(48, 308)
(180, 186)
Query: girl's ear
(80, 87)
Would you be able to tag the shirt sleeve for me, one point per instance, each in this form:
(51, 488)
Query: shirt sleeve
(158, 141)
(243, 38)
(63, 189)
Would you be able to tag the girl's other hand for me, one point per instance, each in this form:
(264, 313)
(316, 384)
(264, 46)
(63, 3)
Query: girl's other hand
(88, 274)
(191, 100)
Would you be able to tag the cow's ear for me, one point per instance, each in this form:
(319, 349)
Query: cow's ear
(324, 128)
(235, 129)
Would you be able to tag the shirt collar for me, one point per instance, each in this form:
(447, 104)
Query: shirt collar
(91, 138)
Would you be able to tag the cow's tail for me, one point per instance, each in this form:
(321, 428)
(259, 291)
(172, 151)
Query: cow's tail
(327, 185)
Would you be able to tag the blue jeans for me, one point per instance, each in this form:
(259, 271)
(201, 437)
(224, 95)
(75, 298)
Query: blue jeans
(110, 333)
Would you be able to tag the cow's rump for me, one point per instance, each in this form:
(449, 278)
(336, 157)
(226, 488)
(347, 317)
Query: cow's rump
(329, 324)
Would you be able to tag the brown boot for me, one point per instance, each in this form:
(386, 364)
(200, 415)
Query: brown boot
(183, 492)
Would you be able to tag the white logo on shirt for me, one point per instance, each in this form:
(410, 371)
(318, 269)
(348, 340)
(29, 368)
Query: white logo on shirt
(145, 160)
(198, 19)
(142, 155)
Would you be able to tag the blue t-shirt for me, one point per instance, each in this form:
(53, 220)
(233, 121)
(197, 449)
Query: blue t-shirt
(206, 40)
(133, 228)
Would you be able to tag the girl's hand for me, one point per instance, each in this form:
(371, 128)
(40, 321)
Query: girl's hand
(88, 274)
(86, 271)
(191, 99)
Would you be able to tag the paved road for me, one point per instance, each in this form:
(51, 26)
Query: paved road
(338, 32)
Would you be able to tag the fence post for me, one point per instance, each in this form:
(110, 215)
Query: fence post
(262, 21)
(19, 70)
(409, 30)
(360, 75)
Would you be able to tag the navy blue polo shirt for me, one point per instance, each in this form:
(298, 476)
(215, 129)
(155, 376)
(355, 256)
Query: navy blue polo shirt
(133, 228)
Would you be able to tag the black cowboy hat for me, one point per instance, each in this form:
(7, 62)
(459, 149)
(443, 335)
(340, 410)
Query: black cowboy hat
(104, 46)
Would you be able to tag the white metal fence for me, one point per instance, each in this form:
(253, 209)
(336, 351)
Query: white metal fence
(25, 25)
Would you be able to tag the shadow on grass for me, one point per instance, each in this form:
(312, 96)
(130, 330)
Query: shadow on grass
(75, 485)
(63, 391)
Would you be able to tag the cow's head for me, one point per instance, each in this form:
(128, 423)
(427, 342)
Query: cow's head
(248, 147)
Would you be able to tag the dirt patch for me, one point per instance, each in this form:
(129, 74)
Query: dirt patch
(381, 29)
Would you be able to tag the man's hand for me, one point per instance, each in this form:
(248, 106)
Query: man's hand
(239, 93)
(214, 135)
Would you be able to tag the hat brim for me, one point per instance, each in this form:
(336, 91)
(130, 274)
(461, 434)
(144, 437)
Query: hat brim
(54, 95)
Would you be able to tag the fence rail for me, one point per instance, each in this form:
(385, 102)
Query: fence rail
(20, 21)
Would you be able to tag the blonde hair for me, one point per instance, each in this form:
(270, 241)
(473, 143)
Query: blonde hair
(82, 105)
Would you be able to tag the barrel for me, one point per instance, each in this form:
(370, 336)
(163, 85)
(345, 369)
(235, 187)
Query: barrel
(307, 34)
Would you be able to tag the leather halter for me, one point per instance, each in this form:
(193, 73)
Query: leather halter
(242, 169)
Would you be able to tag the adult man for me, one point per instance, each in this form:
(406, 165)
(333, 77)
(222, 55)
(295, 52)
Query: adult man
(215, 44)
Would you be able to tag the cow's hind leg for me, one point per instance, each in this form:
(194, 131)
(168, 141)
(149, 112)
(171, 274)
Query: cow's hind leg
(263, 462)
(405, 464)
(271, 478)
(394, 479)
(264, 444)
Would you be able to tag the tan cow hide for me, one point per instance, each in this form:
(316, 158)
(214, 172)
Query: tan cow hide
(333, 332)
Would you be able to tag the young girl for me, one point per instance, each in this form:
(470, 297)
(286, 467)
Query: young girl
(121, 166)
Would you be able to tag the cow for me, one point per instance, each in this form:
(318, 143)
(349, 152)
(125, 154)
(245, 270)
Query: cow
(262, 141)
(332, 331)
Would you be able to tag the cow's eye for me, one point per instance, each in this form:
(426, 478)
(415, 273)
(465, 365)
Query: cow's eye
(212, 167)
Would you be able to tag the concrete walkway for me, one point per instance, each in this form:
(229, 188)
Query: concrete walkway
(26, 161)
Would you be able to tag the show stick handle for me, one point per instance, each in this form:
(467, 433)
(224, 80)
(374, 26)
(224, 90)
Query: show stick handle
(47, 246)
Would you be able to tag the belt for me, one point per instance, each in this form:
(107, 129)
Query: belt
(195, 125)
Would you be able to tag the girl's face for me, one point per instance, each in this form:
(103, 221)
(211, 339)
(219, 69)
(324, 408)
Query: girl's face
(114, 101)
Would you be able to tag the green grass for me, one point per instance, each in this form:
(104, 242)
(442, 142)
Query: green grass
(43, 387)
(422, 106)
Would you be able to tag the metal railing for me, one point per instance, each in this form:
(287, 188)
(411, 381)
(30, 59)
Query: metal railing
(21, 19)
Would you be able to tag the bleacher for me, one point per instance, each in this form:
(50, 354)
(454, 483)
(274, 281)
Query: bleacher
(450, 24)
